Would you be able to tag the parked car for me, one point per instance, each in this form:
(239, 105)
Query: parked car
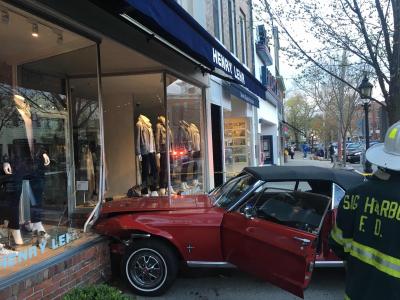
(353, 154)
(272, 222)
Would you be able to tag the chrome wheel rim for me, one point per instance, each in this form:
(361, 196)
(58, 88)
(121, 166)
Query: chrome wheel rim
(146, 270)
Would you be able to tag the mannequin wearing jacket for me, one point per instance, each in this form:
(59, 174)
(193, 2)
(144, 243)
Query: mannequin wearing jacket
(27, 163)
(195, 137)
(145, 150)
(185, 141)
(162, 152)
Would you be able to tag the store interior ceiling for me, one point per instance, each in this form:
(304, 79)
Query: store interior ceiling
(148, 87)
(46, 52)
(22, 47)
(58, 52)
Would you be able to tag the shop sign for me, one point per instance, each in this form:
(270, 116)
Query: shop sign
(227, 66)
(17, 257)
(28, 253)
(241, 93)
(62, 240)
(82, 185)
(172, 23)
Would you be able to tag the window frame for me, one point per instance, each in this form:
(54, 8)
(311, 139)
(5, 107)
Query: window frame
(243, 36)
(240, 208)
(232, 26)
(217, 5)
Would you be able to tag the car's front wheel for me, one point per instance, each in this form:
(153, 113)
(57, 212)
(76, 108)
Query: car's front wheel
(150, 267)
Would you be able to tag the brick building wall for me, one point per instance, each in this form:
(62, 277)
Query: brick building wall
(240, 5)
(89, 266)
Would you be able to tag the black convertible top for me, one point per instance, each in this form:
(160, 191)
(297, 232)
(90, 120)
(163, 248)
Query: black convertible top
(345, 178)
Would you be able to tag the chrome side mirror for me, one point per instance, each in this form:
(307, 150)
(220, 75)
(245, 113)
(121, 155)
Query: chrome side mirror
(249, 212)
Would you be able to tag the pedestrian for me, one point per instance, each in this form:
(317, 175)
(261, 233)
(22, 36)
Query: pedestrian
(291, 152)
(366, 233)
(331, 152)
(305, 150)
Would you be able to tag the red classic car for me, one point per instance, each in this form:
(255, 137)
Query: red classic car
(272, 222)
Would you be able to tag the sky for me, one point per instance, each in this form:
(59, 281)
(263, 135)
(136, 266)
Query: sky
(298, 31)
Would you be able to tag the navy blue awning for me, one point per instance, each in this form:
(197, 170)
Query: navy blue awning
(241, 93)
(169, 20)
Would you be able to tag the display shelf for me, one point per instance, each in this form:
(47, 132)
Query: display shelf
(236, 135)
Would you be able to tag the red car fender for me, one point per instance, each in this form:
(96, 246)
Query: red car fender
(122, 226)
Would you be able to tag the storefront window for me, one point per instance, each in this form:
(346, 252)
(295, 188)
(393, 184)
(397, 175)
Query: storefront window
(133, 108)
(139, 124)
(185, 117)
(237, 144)
(85, 121)
(37, 180)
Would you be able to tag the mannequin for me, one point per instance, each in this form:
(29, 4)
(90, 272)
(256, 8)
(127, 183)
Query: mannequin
(162, 152)
(28, 165)
(195, 136)
(186, 142)
(145, 150)
(190, 138)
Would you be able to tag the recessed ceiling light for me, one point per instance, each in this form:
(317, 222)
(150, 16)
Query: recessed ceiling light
(35, 30)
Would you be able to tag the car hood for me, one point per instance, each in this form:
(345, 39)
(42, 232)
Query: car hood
(352, 151)
(162, 203)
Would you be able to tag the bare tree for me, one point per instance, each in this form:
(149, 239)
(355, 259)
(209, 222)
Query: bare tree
(334, 99)
(368, 30)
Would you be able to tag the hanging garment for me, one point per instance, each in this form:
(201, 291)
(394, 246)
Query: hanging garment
(90, 172)
(149, 172)
(195, 137)
(161, 137)
(27, 198)
(145, 137)
(184, 137)
(196, 157)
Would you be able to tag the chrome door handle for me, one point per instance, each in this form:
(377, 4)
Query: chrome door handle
(303, 241)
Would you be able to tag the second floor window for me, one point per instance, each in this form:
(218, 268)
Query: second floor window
(217, 16)
(232, 25)
(243, 36)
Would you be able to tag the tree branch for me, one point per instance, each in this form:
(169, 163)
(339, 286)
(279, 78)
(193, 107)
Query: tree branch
(376, 66)
(383, 20)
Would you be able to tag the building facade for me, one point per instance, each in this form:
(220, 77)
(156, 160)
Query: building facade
(270, 112)
(245, 126)
(97, 106)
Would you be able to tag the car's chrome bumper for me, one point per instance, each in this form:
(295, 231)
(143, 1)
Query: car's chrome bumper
(329, 264)
(210, 264)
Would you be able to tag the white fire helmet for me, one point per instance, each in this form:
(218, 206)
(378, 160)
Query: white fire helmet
(387, 155)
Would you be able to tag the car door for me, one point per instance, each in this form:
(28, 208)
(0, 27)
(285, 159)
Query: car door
(277, 241)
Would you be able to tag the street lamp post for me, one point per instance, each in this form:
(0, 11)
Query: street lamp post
(365, 94)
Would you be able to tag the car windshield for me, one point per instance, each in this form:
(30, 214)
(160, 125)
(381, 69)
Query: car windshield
(353, 146)
(229, 193)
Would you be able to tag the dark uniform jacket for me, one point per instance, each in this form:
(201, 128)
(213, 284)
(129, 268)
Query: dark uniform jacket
(367, 236)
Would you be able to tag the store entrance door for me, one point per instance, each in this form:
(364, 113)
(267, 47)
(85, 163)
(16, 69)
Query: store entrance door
(266, 150)
(216, 122)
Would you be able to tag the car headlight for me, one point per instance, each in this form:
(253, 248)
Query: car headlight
(357, 153)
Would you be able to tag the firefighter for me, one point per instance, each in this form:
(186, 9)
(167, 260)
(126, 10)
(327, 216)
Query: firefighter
(367, 230)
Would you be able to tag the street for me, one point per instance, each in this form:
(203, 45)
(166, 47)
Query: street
(327, 284)
(299, 161)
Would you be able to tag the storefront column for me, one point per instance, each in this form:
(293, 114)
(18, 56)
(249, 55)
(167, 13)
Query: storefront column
(101, 190)
(209, 160)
